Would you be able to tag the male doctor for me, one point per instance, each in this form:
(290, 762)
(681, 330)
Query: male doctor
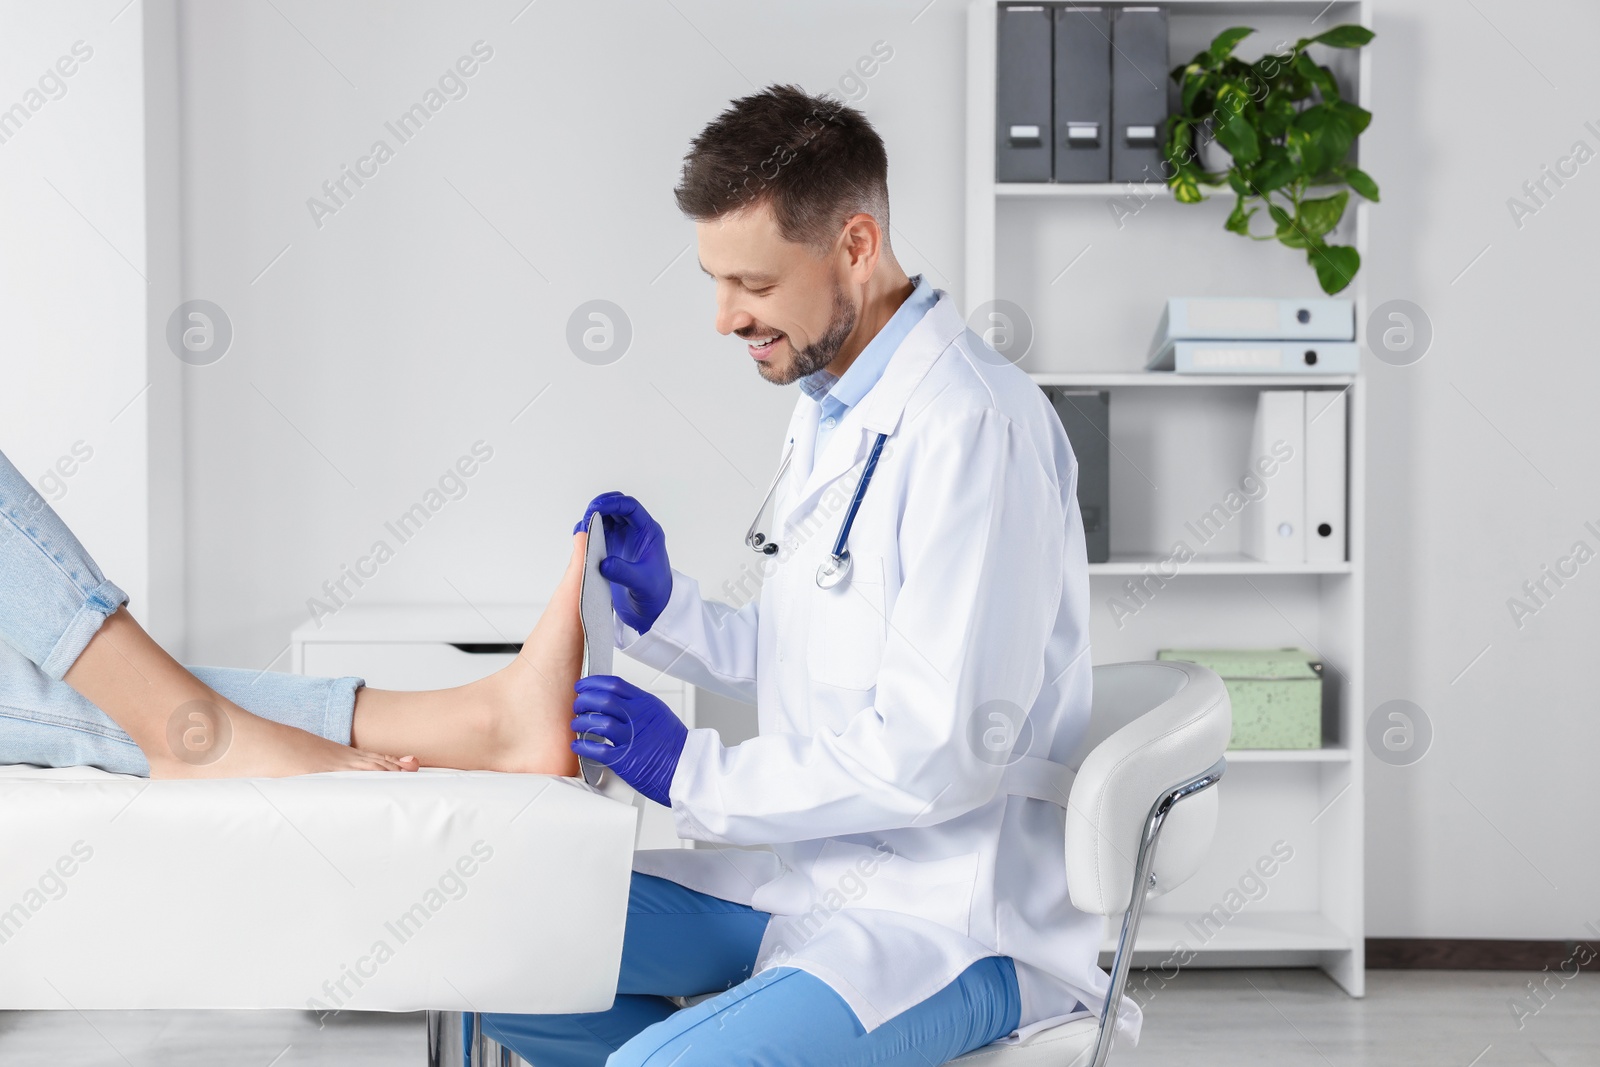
(908, 902)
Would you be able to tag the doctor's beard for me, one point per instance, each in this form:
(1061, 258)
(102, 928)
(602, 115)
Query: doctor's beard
(821, 352)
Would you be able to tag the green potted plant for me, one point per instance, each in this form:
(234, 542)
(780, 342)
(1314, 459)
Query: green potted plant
(1287, 132)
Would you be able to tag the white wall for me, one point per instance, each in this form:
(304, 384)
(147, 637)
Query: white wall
(89, 409)
(1483, 470)
(415, 321)
(427, 312)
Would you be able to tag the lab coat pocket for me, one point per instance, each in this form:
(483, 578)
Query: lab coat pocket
(848, 875)
(844, 646)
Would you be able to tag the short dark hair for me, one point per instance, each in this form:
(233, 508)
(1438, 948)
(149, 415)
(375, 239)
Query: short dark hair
(814, 159)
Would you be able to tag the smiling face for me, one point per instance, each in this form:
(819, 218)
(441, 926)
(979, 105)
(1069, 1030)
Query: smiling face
(790, 303)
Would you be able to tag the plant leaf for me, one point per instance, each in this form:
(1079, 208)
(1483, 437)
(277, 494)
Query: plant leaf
(1179, 135)
(1346, 36)
(1317, 217)
(1274, 171)
(1285, 226)
(1319, 139)
(1335, 265)
(1277, 114)
(1238, 136)
(1302, 153)
(1357, 118)
(1361, 182)
(1232, 97)
(1334, 140)
(1193, 85)
(1222, 44)
(1185, 189)
(1239, 220)
(1319, 76)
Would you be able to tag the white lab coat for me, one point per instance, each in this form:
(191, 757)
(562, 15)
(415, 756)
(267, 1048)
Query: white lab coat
(896, 854)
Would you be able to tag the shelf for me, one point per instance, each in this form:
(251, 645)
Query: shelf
(1241, 8)
(1326, 754)
(1163, 378)
(1144, 191)
(1215, 563)
(1083, 189)
(1245, 931)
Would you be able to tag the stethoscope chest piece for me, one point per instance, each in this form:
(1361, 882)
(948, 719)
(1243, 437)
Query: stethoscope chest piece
(833, 570)
(836, 568)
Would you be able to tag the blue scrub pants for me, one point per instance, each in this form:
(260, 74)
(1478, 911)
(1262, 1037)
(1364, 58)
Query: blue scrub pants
(679, 942)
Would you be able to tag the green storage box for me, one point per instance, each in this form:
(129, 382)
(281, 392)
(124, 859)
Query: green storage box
(1276, 693)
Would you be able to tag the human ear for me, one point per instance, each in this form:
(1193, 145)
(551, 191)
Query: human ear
(861, 246)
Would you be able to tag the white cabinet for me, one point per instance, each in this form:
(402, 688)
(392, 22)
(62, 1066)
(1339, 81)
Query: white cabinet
(412, 647)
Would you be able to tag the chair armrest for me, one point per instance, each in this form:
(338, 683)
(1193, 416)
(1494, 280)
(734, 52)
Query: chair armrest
(1121, 778)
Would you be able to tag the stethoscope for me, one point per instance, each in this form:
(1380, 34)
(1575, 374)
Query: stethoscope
(836, 568)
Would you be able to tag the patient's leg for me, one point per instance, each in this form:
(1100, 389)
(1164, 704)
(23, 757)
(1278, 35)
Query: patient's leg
(185, 728)
(82, 683)
(517, 719)
(61, 614)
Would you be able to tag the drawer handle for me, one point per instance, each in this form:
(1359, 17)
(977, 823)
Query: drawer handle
(487, 648)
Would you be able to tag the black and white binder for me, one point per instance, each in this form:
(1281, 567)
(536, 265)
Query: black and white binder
(1086, 416)
(1259, 357)
(1326, 439)
(1226, 318)
(1083, 94)
(1138, 93)
(1022, 120)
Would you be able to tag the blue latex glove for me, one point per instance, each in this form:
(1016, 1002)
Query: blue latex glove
(646, 737)
(636, 559)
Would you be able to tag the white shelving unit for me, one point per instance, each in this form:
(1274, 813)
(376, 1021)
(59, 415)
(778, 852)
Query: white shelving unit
(1175, 439)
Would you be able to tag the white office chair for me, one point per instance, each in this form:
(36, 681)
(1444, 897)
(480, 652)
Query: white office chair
(1156, 737)
(1157, 733)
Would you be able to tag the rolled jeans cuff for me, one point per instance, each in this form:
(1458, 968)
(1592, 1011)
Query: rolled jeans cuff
(339, 710)
(322, 706)
(101, 603)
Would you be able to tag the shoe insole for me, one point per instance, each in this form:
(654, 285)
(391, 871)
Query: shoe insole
(598, 633)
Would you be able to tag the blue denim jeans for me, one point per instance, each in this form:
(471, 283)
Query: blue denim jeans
(53, 600)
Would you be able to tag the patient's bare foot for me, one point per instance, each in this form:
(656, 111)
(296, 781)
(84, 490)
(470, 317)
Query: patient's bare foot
(530, 700)
(517, 719)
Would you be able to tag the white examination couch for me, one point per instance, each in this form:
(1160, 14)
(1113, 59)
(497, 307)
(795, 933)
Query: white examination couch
(439, 890)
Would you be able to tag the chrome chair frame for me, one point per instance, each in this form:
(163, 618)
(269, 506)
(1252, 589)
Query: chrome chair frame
(1143, 881)
(475, 1048)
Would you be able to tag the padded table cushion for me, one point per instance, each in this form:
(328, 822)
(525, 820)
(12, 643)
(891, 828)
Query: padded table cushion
(450, 890)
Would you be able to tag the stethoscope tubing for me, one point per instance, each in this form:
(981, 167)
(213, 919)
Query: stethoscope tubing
(836, 568)
(841, 543)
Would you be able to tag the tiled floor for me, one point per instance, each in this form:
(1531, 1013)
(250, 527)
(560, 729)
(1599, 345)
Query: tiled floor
(1411, 1018)
(209, 1039)
(1201, 1019)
